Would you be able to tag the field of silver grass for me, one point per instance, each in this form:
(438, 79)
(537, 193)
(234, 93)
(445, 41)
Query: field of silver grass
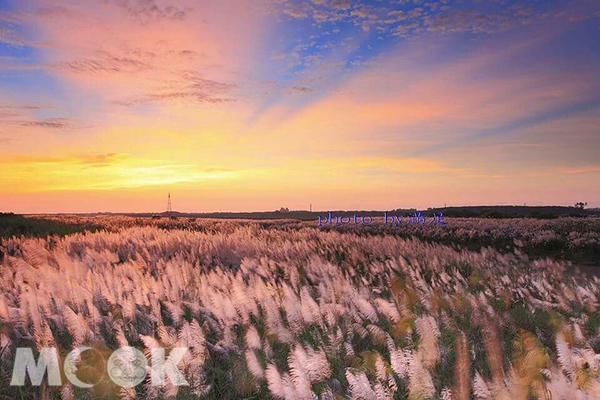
(301, 313)
(577, 239)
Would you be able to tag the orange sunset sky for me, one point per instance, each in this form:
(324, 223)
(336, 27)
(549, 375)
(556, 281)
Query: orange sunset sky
(108, 105)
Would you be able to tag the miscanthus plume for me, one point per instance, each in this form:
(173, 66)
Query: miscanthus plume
(292, 312)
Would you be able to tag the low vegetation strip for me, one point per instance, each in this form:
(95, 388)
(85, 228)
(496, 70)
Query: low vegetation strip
(17, 225)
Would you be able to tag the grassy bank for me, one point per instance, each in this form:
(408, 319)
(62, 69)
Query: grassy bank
(17, 225)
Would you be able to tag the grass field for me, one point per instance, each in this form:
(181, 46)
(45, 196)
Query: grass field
(283, 309)
(17, 225)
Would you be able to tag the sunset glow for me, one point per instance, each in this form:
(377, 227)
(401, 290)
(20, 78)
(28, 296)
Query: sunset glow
(108, 105)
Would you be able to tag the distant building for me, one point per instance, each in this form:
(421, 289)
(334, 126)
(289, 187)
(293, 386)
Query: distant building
(283, 210)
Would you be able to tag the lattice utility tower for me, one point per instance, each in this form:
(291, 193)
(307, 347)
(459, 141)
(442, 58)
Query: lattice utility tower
(169, 208)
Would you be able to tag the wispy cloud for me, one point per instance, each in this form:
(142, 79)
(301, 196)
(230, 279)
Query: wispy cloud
(146, 11)
(52, 123)
(104, 172)
(583, 170)
(185, 86)
(107, 64)
(25, 116)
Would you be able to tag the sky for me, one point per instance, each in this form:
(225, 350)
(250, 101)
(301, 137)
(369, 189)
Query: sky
(109, 105)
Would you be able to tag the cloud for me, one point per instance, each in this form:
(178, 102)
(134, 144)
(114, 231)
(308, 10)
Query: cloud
(54, 12)
(191, 96)
(439, 17)
(340, 4)
(278, 56)
(575, 15)
(188, 86)
(17, 64)
(51, 123)
(24, 116)
(297, 10)
(397, 165)
(13, 25)
(396, 16)
(474, 21)
(21, 107)
(102, 160)
(321, 16)
(146, 11)
(108, 63)
(92, 160)
(195, 80)
(362, 11)
(100, 54)
(416, 101)
(11, 37)
(110, 171)
(584, 170)
(302, 89)
(404, 29)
